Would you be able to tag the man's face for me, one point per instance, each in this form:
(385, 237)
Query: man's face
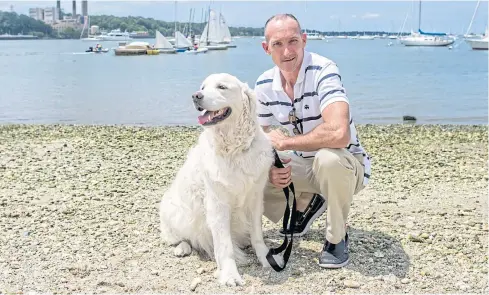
(285, 43)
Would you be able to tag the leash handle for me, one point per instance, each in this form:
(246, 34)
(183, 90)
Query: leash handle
(293, 217)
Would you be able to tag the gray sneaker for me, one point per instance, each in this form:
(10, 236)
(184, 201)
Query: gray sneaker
(334, 255)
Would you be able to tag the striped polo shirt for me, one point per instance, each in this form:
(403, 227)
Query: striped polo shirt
(318, 85)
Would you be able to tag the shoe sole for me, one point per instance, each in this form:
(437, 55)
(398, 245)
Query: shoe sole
(339, 265)
(308, 225)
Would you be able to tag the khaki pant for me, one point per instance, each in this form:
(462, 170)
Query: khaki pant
(336, 174)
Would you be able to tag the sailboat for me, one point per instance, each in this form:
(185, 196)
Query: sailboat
(86, 25)
(181, 43)
(475, 42)
(226, 34)
(479, 44)
(212, 36)
(163, 44)
(421, 38)
(313, 36)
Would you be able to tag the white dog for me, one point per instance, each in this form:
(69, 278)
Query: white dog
(215, 203)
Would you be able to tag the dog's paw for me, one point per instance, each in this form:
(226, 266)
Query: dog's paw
(279, 259)
(230, 278)
(183, 249)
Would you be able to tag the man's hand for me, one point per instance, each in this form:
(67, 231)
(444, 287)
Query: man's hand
(281, 177)
(277, 138)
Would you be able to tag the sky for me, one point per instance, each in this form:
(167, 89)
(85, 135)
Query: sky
(436, 16)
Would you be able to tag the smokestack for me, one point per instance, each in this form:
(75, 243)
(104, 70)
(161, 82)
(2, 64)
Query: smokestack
(58, 7)
(74, 8)
(84, 7)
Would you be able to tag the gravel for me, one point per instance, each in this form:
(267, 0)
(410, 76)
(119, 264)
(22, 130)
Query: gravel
(79, 213)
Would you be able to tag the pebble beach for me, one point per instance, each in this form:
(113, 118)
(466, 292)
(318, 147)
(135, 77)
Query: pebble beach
(79, 214)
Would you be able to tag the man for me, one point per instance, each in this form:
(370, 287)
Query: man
(304, 93)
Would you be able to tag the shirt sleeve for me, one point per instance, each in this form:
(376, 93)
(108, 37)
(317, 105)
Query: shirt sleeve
(329, 87)
(265, 116)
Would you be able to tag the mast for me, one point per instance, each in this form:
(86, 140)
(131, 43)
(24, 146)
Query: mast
(208, 26)
(175, 31)
(473, 16)
(419, 17)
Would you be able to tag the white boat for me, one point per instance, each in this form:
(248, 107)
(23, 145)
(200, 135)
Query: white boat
(197, 51)
(86, 26)
(163, 44)
(181, 43)
(136, 48)
(226, 34)
(212, 36)
(425, 39)
(366, 37)
(91, 39)
(115, 35)
(313, 36)
(477, 43)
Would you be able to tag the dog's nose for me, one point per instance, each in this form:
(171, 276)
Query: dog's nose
(197, 95)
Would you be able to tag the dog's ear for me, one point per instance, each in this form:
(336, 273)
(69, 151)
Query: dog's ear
(250, 94)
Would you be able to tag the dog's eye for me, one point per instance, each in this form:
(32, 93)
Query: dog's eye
(222, 87)
(202, 87)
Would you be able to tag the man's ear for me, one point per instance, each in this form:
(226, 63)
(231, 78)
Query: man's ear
(264, 45)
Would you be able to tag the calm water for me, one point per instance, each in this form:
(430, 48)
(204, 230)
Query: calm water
(52, 81)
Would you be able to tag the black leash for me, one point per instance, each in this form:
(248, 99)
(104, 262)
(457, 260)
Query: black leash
(285, 245)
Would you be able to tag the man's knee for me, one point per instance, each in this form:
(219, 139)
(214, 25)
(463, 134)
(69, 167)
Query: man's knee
(333, 162)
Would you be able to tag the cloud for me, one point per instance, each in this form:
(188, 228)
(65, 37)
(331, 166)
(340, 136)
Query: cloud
(353, 16)
(369, 15)
(334, 16)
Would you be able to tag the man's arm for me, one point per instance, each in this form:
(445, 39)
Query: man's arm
(335, 111)
(333, 133)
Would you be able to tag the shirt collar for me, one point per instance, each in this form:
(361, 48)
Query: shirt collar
(277, 79)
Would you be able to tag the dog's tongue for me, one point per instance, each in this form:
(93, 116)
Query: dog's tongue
(204, 117)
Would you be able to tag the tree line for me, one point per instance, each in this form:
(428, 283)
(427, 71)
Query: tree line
(13, 23)
(151, 25)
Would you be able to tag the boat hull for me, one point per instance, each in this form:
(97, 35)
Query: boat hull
(199, 50)
(480, 44)
(426, 42)
(126, 51)
(216, 47)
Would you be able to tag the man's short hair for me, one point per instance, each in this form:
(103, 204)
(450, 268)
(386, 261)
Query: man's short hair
(281, 17)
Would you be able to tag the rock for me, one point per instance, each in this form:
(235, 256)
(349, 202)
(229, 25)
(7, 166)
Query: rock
(201, 270)
(296, 272)
(463, 287)
(405, 281)
(389, 278)
(250, 289)
(379, 254)
(195, 283)
(409, 225)
(351, 284)
(414, 237)
(424, 273)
